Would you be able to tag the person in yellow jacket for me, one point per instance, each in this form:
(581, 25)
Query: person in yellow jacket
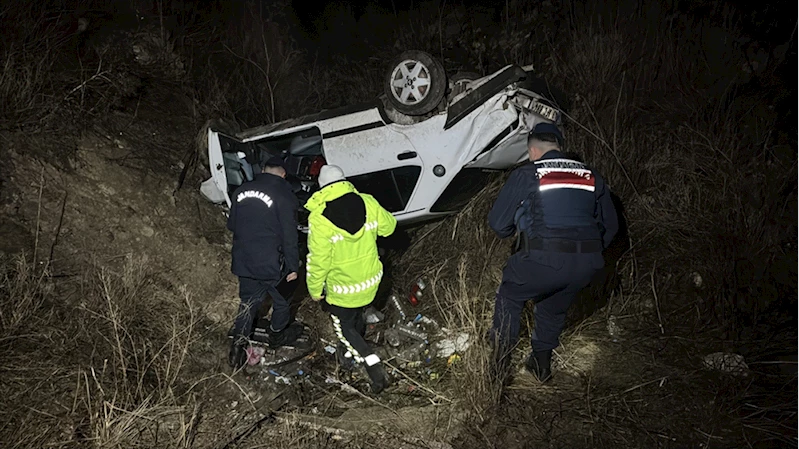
(343, 268)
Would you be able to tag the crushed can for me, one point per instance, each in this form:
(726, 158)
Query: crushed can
(417, 290)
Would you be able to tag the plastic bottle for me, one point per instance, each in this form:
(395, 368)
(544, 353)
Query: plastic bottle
(411, 332)
(398, 306)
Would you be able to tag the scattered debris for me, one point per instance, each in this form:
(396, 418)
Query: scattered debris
(417, 291)
(392, 337)
(428, 321)
(395, 302)
(254, 355)
(726, 362)
(457, 343)
(697, 279)
(373, 315)
(411, 331)
(613, 328)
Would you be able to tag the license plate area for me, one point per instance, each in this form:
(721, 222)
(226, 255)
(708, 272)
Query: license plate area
(545, 111)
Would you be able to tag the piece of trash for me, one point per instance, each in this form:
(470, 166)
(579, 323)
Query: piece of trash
(417, 290)
(696, 278)
(300, 372)
(373, 315)
(456, 343)
(414, 353)
(726, 362)
(613, 328)
(429, 321)
(348, 388)
(418, 318)
(395, 302)
(453, 359)
(433, 375)
(412, 332)
(254, 354)
(273, 372)
(392, 337)
(283, 379)
(331, 349)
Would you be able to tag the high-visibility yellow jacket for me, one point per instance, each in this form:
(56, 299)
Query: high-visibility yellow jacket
(345, 264)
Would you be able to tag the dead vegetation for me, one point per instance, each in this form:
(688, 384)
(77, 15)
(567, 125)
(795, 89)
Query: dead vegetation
(117, 352)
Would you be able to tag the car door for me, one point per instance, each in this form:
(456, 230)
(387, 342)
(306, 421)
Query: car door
(233, 161)
(378, 160)
(231, 164)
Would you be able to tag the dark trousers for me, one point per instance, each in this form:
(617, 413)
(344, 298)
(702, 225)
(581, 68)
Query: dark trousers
(552, 280)
(350, 327)
(253, 292)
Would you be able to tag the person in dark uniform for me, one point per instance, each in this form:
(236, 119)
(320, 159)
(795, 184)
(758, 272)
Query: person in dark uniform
(562, 214)
(263, 219)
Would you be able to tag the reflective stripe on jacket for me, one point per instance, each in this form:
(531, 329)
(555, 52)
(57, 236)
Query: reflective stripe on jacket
(346, 264)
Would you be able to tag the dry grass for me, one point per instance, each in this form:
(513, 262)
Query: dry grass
(102, 365)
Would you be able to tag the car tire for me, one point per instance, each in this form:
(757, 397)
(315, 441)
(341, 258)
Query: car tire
(460, 80)
(415, 83)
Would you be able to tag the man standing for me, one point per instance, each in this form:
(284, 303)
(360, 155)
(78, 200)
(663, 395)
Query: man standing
(564, 217)
(264, 224)
(343, 266)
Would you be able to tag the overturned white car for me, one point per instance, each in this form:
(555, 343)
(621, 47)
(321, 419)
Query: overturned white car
(422, 149)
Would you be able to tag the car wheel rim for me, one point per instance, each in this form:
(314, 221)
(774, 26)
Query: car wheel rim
(410, 82)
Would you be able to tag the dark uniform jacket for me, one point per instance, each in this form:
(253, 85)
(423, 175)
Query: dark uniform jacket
(555, 198)
(263, 219)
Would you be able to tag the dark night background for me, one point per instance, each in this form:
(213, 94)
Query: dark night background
(688, 108)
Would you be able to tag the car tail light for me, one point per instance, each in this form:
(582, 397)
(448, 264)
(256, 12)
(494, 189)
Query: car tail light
(417, 290)
(316, 165)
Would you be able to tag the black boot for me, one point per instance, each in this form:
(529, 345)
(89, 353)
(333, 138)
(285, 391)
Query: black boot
(377, 377)
(539, 364)
(237, 357)
(286, 337)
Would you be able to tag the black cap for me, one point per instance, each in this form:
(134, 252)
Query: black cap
(276, 161)
(548, 128)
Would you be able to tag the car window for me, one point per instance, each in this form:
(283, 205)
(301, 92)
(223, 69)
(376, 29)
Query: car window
(461, 189)
(391, 188)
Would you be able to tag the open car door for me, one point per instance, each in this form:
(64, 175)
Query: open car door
(233, 161)
(231, 164)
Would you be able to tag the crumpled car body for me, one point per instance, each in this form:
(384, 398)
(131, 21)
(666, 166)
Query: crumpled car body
(418, 171)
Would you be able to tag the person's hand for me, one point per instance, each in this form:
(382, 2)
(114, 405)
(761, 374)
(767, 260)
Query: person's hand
(317, 298)
(291, 276)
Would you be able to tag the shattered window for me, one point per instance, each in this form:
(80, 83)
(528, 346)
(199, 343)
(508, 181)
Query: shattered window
(391, 188)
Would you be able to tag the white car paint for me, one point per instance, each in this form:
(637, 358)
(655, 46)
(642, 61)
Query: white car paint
(362, 142)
